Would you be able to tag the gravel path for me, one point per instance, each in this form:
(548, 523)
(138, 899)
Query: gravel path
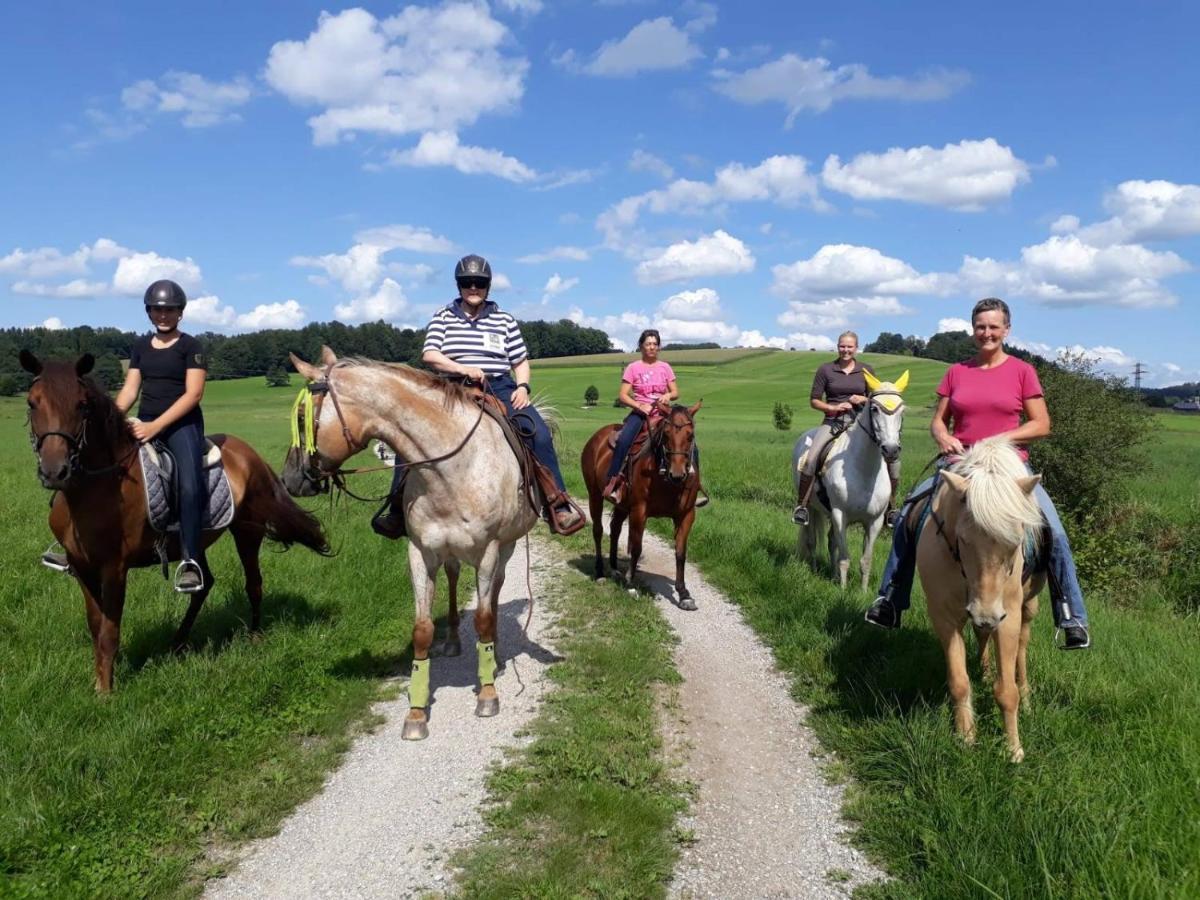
(388, 819)
(767, 824)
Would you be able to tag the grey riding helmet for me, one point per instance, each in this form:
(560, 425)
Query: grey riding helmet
(473, 266)
(165, 294)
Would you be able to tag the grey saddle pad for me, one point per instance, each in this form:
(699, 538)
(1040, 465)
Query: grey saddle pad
(161, 504)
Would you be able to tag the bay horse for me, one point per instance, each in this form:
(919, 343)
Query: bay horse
(86, 453)
(465, 500)
(971, 559)
(856, 478)
(648, 494)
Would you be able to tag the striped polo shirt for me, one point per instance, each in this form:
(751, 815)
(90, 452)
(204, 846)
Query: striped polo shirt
(491, 341)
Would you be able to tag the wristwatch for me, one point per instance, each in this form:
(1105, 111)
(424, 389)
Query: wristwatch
(525, 384)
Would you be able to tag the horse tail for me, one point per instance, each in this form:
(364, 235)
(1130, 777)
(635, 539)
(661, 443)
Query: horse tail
(285, 521)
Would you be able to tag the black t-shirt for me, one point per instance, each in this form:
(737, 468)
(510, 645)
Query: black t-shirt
(164, 374)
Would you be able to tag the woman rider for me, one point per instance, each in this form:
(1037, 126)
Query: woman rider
(647, 387)
(839, 389)
(984, 397)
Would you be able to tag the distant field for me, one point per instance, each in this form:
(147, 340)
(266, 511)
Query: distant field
(690, 357)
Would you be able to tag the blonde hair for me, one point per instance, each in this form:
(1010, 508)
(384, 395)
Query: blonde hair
(846, 334)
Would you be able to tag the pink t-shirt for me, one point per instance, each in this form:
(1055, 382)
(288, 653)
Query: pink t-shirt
(649, 381)
(987, 402)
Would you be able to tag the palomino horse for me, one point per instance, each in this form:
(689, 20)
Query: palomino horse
(86, 453)
(972, 565)
(464, 499)
(672, 496)
(855, 477)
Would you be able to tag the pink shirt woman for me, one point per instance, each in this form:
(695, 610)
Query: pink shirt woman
(647, 388)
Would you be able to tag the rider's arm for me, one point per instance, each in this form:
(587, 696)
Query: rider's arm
(439, 361)
(940, 429)
(193, 392)
(627, 399)
(520, 397)
(671, 395)
(128, 394)
(1036, 424)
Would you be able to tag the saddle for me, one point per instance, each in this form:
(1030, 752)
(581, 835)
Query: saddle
(636, 449)
(162, 498)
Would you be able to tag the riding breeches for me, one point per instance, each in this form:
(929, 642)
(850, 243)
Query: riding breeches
(821, 438)
(186, 443)
(629, 432)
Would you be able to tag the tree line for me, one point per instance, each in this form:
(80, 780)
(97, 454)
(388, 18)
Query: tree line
(263, 353)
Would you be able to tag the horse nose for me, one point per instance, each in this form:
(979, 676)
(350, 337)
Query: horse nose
(54, 474)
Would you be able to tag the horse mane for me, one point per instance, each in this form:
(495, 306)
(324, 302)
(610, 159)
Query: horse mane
(994, 500)
(452, 392)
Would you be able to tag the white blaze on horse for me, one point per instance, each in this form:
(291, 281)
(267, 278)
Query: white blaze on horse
(465, 500)
(971, 559)
(855, 477)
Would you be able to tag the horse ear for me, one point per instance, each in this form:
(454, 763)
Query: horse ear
(873, 383)
(955, 481)
(30, 363)
(84, 364)
(902, 382)
(1029, 482)
(311, 372)
(692, 410)
(328, 357)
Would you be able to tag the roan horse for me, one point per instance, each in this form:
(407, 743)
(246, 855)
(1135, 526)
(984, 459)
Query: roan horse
(86, 453)
(648, 494)
(971, 558)
(855, 477)
(464, 498)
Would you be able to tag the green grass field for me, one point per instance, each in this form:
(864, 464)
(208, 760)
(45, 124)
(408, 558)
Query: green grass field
(144, 793)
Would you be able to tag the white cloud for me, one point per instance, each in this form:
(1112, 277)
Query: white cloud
(137, 270)
(849, 270)
(813, 85)
(1169, 366)
(362, 266)
(288, 314)
(1064, 270)
(500, 282)
(423, 69)
(690, 331)
(576, 254)
(387, 303)
(357, 269)
(802, 340)
(839, 312)
(1148, 211)
(695, 316)
(1064, 225)
(50, 262)
(556, 285)
(528, 7)
(703, 15)
(1108, 357)
(406, 237)
(717, 254)
(654, 44)
(758, 339)
(210, 312)
(784, 180)
(78, 287)
(966, 176)
(643, 161)
(623, 329)
(704, 303)
(953, 324)
(54, 323)
(197, 100)
(442, 148)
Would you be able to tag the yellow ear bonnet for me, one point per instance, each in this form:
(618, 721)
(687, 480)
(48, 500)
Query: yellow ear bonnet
(902, 382)
(873, 383)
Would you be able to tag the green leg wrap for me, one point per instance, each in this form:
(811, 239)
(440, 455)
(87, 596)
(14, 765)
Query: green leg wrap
(418, 685)
(487, 662)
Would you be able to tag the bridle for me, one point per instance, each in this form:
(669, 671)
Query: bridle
(872, 406)
(76, 443)
(669, 422)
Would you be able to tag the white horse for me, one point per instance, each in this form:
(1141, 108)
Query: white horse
(855, 476)
(464, 499)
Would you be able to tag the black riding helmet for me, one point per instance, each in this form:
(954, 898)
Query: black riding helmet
(473, 266)
(165, 293)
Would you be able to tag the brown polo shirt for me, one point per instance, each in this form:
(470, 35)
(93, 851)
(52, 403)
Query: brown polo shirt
(833, 385)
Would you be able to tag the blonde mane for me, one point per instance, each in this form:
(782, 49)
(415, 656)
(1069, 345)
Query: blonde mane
(452, 391)
(994, 500)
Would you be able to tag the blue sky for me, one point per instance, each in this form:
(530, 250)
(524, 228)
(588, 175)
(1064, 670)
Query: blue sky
(751, 173)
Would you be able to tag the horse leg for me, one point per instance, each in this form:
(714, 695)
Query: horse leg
(112, 604)
(92, 589)
(983, 638)
(596, 507)
(1008, 637)
(1028, 611)
(248, 540)
(683, 527)
(489, 569)
(837, 535)
(950, 634)
(452, 646)
(614, 531)
(637, 526)
(506, 552)
(423, 570)
(864, 565)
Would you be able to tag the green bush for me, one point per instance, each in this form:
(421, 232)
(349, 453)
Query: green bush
(592, 395)
(1182, 578)
(782, 414)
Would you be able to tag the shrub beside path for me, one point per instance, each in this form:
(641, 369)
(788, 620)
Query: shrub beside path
(765, 821)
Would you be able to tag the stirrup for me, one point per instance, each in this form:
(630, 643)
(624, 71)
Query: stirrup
(702, 498)
(800, 515)
(891, 518)
(185, 566)
(56, 559)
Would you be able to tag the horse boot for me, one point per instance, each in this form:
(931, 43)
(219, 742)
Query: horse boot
(562, 513)
(803, 492)
(389, 522)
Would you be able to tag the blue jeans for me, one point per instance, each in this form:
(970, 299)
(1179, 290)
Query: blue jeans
(629, 432)
(529, 425)
(1066, 596)
(186, 443)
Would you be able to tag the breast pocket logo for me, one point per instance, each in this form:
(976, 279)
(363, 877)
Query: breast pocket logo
(198, 358)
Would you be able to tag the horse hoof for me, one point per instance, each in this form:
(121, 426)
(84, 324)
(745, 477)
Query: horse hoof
(414, 730)
(685, 602)
(486, 708)
(452, 647)
(1018, 755)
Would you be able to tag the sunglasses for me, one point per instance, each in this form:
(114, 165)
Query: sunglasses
(479, 284)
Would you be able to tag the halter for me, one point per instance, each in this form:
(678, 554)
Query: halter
(657, 444)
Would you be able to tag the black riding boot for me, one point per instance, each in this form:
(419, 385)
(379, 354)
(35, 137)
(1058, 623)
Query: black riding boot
(803, 492)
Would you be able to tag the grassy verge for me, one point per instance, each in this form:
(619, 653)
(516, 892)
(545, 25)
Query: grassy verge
(588, 809)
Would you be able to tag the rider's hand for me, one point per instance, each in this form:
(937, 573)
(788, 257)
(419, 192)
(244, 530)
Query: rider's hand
(474, 374)
(663, 403)
(519, 398)
(843, 407)
(857, 399)
(143, 431)
(645, 409)
(950, 446)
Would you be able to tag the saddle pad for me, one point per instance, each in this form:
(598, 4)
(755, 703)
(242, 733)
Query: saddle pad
(161, 508)
(836, 444)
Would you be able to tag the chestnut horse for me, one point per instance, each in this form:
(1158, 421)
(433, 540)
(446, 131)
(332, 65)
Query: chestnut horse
(971, 558)
(649, 494)
(86, 453)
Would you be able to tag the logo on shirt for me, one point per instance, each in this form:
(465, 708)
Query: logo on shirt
(198, 359)
(493, 343)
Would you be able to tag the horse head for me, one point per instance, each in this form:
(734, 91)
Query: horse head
(676, 439)
(985, 513)
(60, 403)
(323, 435)
(885, 413)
